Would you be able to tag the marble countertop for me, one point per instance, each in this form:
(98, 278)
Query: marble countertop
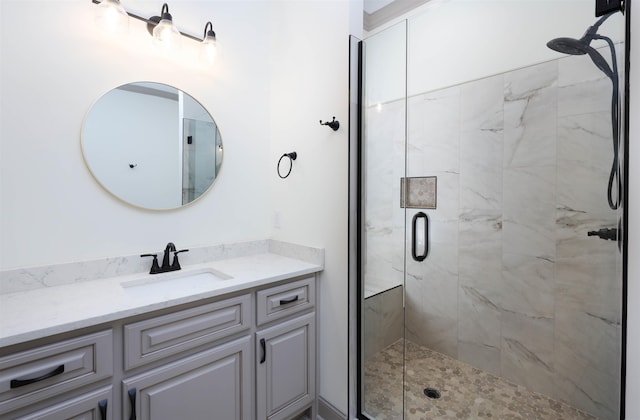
(38, 313)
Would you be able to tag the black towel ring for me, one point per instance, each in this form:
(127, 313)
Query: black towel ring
(292, 156)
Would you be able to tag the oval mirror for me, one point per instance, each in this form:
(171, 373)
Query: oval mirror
(152, 145)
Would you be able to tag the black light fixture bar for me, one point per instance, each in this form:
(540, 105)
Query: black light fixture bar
(152, 22)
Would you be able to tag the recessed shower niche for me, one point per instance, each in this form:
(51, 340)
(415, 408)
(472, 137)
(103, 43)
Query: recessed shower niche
(152, 145)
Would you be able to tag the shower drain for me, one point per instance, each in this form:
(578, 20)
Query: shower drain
(432, 393)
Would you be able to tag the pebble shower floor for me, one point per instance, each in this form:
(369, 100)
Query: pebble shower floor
(466, 392)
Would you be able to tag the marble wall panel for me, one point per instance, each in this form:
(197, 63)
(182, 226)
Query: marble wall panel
(586, 283)
(486, 358)
(434, 132)
(480, 250)
(529, 211)
(431, 299)
(585, 156)
(481, 144)
(587, 362)
(530, 103)
(479, 317)
(528, 285)
(383, 161)
(583, 88)
(527, 351)
(383, 320)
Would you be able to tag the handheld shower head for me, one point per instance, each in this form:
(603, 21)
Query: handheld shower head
(581, 47)
(568, 46)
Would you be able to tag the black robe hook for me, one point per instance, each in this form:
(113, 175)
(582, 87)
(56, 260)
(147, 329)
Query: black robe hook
(333, 124)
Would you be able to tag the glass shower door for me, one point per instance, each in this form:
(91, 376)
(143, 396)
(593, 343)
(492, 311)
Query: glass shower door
(383, 223)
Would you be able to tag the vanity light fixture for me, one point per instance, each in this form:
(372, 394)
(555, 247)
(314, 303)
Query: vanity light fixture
(162, 28)
(209, 47)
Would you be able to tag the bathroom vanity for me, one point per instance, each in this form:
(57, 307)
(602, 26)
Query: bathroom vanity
(229, 339)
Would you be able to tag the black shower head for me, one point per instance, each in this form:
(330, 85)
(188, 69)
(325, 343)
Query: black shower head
(581, 47)
(569, 46)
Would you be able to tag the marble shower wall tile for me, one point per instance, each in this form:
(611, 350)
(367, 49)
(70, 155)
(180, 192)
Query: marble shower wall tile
(431, 299)
(431, 287)
(583, 88)
(528, 285)
(382, 161)
(585, 155)
(530, 103)
(480, 250)
(529, 211)
(480, 317)
(527, 351)
(481, 144)
(586, 283)
(383, 320)
(587, 362)
(434, 131)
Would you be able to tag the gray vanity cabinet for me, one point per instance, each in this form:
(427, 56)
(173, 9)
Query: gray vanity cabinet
(213, 384)
(248, 355)
(286, 350)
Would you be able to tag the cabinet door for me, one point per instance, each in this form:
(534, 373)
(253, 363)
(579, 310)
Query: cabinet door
(91, 406)
(213, 384)
(286, 368)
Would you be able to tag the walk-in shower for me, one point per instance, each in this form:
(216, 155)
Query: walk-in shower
(483, 292)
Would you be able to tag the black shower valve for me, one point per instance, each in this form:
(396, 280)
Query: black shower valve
(604, 233)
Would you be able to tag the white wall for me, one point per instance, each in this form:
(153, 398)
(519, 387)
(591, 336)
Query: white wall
(454, 27)
(53, 211)
(450, 55)
(633, 297)
(310, 62)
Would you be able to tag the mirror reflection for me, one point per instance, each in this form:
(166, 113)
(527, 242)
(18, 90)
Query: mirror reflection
(152, 145)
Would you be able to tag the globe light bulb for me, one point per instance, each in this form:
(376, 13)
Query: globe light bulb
(112, 17)
(208, 46)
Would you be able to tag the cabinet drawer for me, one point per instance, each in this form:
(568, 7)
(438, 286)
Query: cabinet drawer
(280, 301)
(42, 372)
(96, 405)
(166, 335)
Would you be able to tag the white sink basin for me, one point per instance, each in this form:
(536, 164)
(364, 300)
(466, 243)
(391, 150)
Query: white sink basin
(176, 282)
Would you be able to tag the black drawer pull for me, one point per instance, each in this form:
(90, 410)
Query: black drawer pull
(288, 300)
(102, 406)
(17, 383)
(263, 347)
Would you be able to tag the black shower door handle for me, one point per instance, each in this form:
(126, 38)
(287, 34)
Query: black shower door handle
(419, 254)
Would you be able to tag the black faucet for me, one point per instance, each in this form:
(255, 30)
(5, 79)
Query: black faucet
(166, 267)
